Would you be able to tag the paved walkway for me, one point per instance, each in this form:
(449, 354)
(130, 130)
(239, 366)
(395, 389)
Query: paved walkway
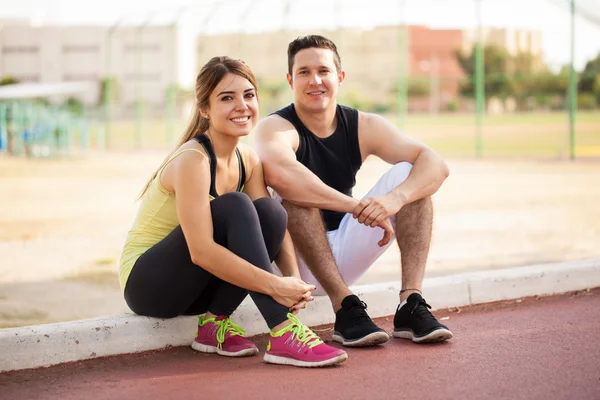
(531, 349)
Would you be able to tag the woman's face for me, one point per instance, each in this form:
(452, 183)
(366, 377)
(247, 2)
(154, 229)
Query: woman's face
(233, 106)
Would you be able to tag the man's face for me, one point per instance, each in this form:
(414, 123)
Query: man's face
(314, 79)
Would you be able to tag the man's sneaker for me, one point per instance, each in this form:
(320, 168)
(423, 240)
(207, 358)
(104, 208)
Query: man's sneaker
(353, 326)
(220, 335)
(297, 345)
(414, 321)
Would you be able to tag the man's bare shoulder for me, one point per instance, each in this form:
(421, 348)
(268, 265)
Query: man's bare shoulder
(272, 125)
(367, 120)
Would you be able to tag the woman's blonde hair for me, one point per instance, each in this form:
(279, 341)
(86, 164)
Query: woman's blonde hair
(207, 80)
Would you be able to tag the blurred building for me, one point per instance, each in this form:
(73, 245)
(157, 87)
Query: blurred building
(372, 58)
(142, 62)
(514, 41)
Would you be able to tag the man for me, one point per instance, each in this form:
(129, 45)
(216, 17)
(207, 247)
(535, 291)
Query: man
(311, 152)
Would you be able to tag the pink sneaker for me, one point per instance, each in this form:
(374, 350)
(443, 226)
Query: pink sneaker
(297, 345)
(220, 335)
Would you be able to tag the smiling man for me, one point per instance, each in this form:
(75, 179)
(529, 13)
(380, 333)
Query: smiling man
(311, 151)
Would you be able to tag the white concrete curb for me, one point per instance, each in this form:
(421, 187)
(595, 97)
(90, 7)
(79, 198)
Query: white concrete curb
(44, 345)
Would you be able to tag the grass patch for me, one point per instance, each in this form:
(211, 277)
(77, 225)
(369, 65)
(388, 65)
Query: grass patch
(527, 134)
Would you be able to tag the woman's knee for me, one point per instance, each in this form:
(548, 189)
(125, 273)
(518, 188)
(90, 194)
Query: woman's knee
(234, 205)
(271, 211)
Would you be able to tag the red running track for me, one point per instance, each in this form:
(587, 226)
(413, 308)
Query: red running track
(546, 348)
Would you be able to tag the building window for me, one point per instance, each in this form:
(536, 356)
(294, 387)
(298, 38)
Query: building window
(81, 49)
(20, 49)
(148, 48)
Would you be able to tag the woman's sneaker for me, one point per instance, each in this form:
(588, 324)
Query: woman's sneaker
(297, 345)
(220, 335)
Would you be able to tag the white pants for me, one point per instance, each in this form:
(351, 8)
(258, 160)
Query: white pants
(354, 245)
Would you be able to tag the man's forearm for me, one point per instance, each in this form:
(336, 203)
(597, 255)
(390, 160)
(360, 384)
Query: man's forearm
(427, 175)
(297, 184)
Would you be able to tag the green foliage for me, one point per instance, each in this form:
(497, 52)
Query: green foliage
(271, 92)
(495, 60)
(418, 87)
(353, 99)
(452, 105)
(496, 63)
(109, 87)
(74, 106)
(597, 88)
(586, 101)
(8, 80)
(589, 75)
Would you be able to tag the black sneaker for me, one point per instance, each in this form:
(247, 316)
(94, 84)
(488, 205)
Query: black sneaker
(414, 321)
(353, 326)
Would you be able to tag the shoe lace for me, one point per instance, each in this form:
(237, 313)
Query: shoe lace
(421, 308)
(300, 332)
(359, 313)
(225, 325)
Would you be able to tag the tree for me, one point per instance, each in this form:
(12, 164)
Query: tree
(8, 80)
(496, 63)
(115, 90)
(74, 105)
(523, 63)
(589, 74)
(597, 88)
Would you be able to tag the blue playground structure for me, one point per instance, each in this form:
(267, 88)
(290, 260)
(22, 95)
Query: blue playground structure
(32, 126)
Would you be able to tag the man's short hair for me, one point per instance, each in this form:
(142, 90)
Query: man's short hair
(311, 41)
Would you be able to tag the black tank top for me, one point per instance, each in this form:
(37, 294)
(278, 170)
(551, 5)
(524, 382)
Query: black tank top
(335, 159)
(204, 140)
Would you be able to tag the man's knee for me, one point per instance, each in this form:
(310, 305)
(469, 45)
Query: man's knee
(302, 213)
(400, 172)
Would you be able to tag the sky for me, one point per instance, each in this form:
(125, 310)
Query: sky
(217, 16)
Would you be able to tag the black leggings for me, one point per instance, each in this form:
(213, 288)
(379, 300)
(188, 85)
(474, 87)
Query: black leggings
(165, 283)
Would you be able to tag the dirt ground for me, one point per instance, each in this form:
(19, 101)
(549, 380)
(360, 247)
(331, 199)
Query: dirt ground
(63, 224)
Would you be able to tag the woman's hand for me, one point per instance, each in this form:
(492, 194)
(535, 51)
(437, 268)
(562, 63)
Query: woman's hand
(302, 303)
(291, 292)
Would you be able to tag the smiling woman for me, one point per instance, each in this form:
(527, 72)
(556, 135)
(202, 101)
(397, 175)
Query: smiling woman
(207, 231)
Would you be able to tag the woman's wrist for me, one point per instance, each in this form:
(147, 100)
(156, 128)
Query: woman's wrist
(272, 283)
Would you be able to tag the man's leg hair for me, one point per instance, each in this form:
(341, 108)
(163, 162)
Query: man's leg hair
(310, 240)
(413, 234)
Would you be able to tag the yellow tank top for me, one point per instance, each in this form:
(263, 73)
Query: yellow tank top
(155, 219)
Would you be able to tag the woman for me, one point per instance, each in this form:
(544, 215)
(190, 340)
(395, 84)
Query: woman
(207, 231)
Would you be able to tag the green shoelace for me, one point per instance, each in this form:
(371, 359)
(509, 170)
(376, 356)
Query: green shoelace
(300, 332)
(225, 325)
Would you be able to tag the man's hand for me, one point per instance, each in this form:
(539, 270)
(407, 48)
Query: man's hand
(388, 232)
(376, 211)
(371, 211)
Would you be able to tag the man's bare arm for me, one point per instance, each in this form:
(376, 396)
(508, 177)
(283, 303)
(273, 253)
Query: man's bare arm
(379, 137)
(382, 139)
(276, 141)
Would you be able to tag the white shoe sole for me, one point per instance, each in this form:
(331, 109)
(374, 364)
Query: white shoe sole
(212, 349)
(372, 339)
(271, 359)
(439, 335)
